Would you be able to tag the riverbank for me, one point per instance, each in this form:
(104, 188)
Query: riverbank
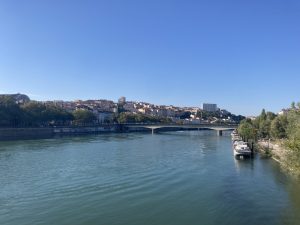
(278, 152)
(8, 134)
(50, 132)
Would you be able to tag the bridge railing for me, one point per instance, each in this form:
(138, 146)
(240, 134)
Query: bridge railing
(177, 124)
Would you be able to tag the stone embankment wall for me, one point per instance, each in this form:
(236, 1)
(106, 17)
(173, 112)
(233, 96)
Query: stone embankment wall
(38, 133)
(25, 133)
(82, 130)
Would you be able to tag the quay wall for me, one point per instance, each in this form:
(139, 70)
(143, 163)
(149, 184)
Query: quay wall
(49, 132)
(25, 133)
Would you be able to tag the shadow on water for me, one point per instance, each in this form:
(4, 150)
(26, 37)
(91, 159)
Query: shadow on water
(294, 211)
(61, 141)
(272, 188)
(244, 165)
(290, 215)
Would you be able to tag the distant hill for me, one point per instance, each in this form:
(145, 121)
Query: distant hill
(19, 98)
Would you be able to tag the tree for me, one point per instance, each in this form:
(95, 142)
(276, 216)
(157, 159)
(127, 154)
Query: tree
(82, 116)
(271, 116)
(278, 127)
(263, 115)
(10, 113)
(127, 117)
(186, 115)
(264, 129)
(36, 114)
(247, 130)
(293, 105)
(263, 124)
(293, 130)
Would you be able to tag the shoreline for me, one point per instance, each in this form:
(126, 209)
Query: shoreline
(278, 153)
(34, 133)
(11, 134)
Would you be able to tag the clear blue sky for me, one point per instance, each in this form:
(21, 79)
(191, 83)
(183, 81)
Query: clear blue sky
(242, 55)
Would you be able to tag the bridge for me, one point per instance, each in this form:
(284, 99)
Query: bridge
(218, 127)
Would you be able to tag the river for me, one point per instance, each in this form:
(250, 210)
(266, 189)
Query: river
(176, 178)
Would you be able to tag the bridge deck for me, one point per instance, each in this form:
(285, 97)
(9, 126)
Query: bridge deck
(207, 126)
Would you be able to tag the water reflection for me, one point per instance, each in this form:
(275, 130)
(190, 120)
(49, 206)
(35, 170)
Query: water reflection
(294, 190)
(243, 163)
(61, 141)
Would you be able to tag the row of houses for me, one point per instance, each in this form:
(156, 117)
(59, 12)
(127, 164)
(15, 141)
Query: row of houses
(105, 110)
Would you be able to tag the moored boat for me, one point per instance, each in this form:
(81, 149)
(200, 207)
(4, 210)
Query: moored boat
(234, 133)
(236, 138)
(241, 148)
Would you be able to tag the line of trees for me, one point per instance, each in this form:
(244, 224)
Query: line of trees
(37, 114)
(127, 117)
(217, 114)
(34, 114)
(285, 127)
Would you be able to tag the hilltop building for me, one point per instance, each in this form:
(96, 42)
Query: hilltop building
(122, 100)
(210, 107)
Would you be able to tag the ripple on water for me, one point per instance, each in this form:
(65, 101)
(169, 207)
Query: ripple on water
(173, 178)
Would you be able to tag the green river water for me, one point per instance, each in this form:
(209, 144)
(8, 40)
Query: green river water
(171, 178)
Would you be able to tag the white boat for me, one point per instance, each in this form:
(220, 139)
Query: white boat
(241, 148)
(238, 142)
(234, 133)
(236, 138)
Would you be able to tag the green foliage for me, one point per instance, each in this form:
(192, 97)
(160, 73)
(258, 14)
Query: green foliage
(210, 115)
(293, 140)
(186, 115)
(271, 116)
(237, 118)
(30, 114)
(263, 115)
(264, 128)
(269, 125)
(10, 112)
(82, 116)
(247, 130)
(263, 124)
(37, 113)
(278, 127)
(126, 117)
(293, 131)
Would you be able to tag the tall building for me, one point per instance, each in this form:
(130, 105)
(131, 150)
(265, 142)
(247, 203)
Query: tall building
(210, 107)
(122, 100)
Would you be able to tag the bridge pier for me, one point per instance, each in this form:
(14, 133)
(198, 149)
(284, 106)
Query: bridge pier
(219, 132)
